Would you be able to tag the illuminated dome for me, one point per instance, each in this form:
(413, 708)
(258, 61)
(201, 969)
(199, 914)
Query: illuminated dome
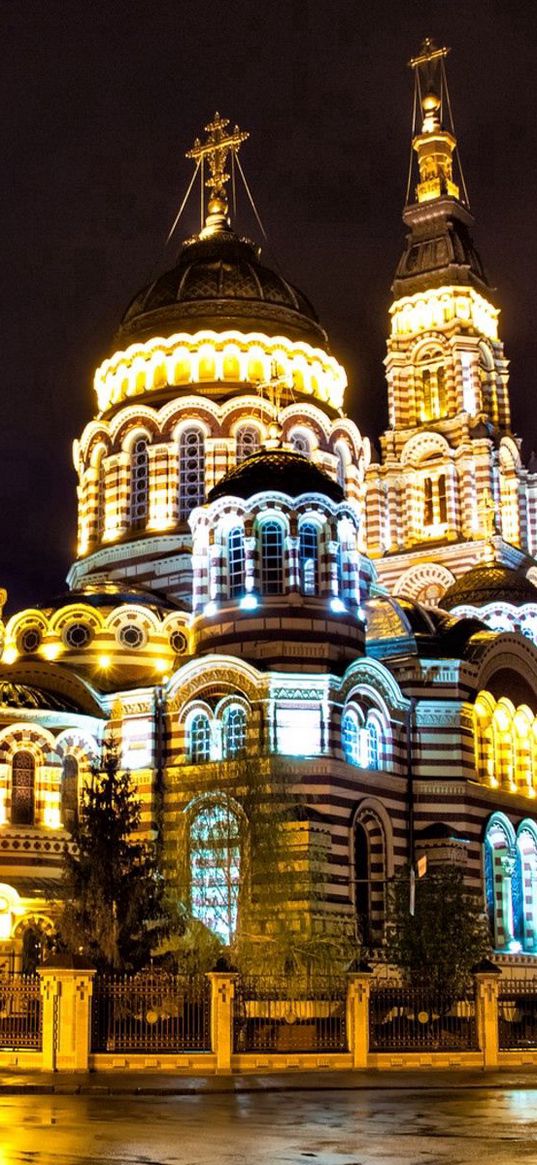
(220, 281)
(281, 470)
(491, 583)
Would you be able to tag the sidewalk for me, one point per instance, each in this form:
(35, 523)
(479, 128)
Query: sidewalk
(174, 1084)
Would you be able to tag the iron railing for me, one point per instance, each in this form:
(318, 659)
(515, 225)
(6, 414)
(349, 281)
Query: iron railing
(20, 1012)
(272, 1015)
(406, 1019)
(517, 1013)
(151, 1012)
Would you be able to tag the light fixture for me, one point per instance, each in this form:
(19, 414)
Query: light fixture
(337, 605)
(248, 602)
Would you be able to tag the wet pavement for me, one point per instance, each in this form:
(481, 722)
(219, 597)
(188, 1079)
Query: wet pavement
(387, 1126)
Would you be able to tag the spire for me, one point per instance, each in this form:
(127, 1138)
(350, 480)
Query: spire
(434, 144)
(216, 150)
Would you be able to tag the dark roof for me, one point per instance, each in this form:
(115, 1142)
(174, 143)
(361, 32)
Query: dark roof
(490, 583)
(111, 594)
(276, 469)
(220, 283)
(13, 695)
(439, 249)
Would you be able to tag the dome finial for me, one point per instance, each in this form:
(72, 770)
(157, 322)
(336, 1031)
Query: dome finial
(216, 149)
(434, 144)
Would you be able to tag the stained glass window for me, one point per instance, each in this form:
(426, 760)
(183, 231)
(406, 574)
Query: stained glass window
(309, 559)
(271, 558)
(215, 859)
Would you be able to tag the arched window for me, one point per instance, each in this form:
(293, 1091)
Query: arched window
(525, 887)
(139, 483)
(22, 789)
(271, 558)
(215, 865)
(431, 389)
(301, 443)
(234, 734)
(442, 498)
(191, 471)
(351, 737)
(199, 738)
(100, 499)
(309, 558)
(235, 562)
(69, 796)
(374, 743)
(428, 507)
(247, 442)
(500, 877)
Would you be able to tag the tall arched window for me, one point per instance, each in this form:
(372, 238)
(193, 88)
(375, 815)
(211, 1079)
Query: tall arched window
(191, 471)
(69, 796)
(309, 558)
(351, 737)
(362, 883)
(22, 789)
(442, 498)
(428, 506)
(247, 442)
(234, 731)
(139, 483)
(215, 867)
(500, 871)
(431, 388)
(271, 558)
(199, 738)
(235, 562)
(374, 743)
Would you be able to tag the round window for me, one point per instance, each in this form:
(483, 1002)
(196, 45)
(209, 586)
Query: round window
(131, 636)
(30, 640)
(178, 642)
(77, 635)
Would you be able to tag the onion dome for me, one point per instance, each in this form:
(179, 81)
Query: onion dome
(489, 583)
(281, 470)
(220, 282)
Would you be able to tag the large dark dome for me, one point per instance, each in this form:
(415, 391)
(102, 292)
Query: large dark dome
(276, 469)
(219, 283)
(491, 583)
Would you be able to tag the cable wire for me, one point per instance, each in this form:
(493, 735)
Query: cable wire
(182, 206)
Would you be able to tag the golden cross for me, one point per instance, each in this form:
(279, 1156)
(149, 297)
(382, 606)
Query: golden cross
(216, 149)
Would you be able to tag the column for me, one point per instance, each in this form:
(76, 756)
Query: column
(487, 977)
(222, 994)
(66, 1000)
(358, 989)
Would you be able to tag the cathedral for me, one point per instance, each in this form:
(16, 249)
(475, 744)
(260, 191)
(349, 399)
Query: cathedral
(250, 581)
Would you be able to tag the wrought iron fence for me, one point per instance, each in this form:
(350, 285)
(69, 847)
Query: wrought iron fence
(20, 1011)
(406, 1019)
(517, 1013)
(278, 1016)
(151, 1012)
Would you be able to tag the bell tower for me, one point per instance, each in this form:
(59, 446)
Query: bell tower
(449, 459)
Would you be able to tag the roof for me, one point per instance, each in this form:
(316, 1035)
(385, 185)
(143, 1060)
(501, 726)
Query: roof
(220, 280)
(111, 594)
(492, 583)
(16, 695)
(282, 470)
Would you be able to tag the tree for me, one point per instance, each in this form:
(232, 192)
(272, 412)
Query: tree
(114, 910)
(447, 934)
(254, 867)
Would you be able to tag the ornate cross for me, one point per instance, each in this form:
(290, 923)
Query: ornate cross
(216, 149)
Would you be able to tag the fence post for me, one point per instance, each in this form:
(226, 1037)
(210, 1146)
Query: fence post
(222, 994)
(486, 977)
(358, 988)
(66, 992)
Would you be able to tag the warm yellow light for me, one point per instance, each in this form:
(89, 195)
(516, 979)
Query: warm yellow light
(187, 359)
(51, 817)
(51, 650)
(438, 308)
(161, 665)
(10, 655)
(104, 661)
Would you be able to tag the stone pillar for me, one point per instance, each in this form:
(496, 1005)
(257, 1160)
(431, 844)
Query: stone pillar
(358, 988)
(66, 1000)
(486, 1002)
(222, 994)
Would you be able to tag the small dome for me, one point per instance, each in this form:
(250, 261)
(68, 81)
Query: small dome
(112, 594)
(492, 583)
(276, 469)
(220, 283)
(14, 695)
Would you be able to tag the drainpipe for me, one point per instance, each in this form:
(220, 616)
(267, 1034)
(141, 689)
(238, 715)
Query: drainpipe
(410, 781)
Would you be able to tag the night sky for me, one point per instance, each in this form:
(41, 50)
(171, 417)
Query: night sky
(100, 100)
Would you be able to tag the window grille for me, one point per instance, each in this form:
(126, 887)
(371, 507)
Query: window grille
(235, 562)
(215, 858)
(199, 738)
(234, 731)
(350, 732)
(301, 443)
(309, 559)
(247, 442)
(139, 484)
(22, 789)
(191, 471)
(69, 801)
(373, 744)
(271, 558)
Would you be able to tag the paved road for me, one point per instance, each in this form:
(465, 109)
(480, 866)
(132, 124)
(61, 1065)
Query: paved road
(325, 1128)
